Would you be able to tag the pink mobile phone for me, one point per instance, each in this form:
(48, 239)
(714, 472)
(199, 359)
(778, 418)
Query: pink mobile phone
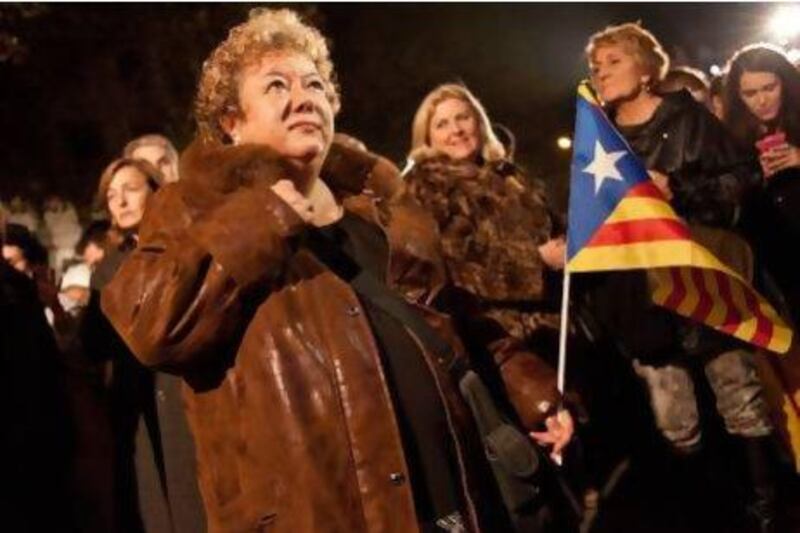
(770, 141)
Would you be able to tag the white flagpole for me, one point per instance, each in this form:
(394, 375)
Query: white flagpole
(562, 340)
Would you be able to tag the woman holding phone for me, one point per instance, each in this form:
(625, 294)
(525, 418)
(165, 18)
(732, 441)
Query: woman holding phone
(762, 99)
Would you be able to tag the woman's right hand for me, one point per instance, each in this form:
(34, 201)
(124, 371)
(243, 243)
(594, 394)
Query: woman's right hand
(779, 158)
(661, 181)
(559, 431)
(301, 205)
(318, 208)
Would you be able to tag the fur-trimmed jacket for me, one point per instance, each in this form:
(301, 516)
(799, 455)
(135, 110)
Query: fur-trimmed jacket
(492, 220)
(294, 425)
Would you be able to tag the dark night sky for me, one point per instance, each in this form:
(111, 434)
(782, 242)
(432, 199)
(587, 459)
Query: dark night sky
(93, 76)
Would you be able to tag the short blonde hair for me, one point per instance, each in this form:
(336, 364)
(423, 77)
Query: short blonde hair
(152, 139)
(266, 30)
(639, 42)
(491, 148)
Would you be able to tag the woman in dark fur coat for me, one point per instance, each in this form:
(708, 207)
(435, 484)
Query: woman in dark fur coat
(497, 242)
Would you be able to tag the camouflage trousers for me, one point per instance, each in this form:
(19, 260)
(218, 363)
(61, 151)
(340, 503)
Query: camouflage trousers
(738, 390)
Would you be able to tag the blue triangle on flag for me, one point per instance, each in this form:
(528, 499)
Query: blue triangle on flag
(589, 207)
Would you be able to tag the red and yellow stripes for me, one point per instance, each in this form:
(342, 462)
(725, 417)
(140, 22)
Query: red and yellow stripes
(644, 232)
(723, 301)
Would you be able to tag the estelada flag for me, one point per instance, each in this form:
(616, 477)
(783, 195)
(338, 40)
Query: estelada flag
(619, 220)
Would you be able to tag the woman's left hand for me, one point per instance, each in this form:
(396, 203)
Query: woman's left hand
(661, 181)
(780, 158)
(560, 428)
(326, 210)
(554, 252)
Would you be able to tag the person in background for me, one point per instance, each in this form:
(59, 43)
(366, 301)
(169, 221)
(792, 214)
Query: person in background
(716, 97)
(697, 165)
(35, 442)
(156, 150)
(22, 250)
(63, 229)
(75, 285)
(73, 297)
(91, 464)
(499, 243)
(496, 230)
(154, 480)
(691, 79)
(762, 111)
(91, 247)
(22, 212)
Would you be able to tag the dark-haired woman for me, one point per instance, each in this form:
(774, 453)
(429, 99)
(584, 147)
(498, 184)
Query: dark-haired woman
(762, 102)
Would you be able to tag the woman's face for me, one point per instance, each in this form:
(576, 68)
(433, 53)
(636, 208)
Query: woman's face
(284, 106)
(616, 75)
(761, 93)
(127, 197)
(454, 129)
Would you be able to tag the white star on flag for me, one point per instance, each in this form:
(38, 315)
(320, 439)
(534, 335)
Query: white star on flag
(604, 166)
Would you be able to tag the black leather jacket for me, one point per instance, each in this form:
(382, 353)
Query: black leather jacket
(708, 176)
(708, 173)
(771, 221)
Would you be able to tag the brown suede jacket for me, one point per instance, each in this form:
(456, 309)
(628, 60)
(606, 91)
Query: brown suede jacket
(294, 425)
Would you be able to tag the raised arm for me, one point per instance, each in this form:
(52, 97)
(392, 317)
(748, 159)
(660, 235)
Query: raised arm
(184, 296)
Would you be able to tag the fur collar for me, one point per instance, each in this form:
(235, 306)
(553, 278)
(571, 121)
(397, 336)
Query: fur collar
(210, 170)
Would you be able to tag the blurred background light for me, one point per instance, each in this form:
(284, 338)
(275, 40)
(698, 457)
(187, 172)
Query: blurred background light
(785, 22)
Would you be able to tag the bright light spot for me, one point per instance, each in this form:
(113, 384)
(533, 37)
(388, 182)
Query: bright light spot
(715, 70)
(564, 142)
(794, 55)
(784, 23)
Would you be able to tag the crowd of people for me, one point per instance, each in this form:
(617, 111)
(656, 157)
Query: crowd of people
(288, 333)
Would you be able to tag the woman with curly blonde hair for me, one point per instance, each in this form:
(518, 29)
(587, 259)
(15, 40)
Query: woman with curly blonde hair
(312, 407)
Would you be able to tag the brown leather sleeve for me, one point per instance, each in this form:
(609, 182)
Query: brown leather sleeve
(350, 170)
(417, 268)
(531, 384)
(178, 299)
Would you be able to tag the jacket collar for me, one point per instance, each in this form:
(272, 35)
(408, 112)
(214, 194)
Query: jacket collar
(672, 104)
